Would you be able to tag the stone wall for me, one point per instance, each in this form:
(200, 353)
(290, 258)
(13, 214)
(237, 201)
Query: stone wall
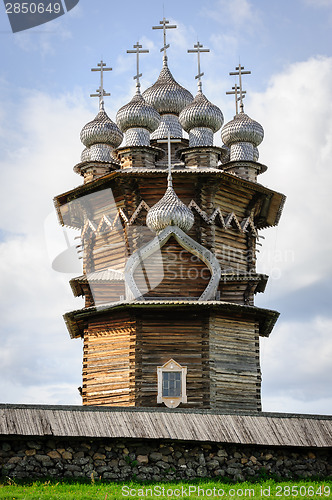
(125, 459)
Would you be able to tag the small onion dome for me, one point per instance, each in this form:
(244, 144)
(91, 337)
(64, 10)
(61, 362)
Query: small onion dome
(169, 211)
(101, 130)
(201, 113)
(242, 129)
(225, 154)
(166, 95)
(85, 155)
(137, 114)
(256, 154)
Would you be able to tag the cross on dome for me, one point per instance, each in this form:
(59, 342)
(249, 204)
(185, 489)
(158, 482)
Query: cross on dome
(235, 92)
(168, 141)
(198, 48)
(239, 73)
(137, 51)
(101, 92)
(165, 26)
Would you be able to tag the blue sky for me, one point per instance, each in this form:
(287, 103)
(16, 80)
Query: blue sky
(45, 82)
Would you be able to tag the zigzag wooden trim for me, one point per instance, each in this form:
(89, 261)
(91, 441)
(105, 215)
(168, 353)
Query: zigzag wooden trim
(201, 212)
(88, 225)
(226, 221)
(232, 218)
(138, 211)
(106, 220)
(249, 223)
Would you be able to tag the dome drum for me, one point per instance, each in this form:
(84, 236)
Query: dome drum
(256, 153)
(137, 137)
(200, 136)
(85, 155)
(101, 152)
(201, 157)
(169, 122)
(242, 151)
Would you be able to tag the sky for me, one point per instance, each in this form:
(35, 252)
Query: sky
(45, 83)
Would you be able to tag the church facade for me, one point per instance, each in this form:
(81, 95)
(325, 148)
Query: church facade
(169, 232)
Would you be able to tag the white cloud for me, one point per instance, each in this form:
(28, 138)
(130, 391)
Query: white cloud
(297, 368)
(297, 118)
(37, 358)
(298, 126)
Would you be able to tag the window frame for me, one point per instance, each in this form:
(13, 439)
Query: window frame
(172, 366)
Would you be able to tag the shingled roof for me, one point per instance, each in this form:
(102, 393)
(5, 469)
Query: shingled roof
(272, 429)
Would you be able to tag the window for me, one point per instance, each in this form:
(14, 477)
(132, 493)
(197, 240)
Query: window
(172, 384)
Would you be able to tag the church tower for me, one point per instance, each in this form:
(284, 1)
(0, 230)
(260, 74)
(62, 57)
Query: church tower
(169, 228)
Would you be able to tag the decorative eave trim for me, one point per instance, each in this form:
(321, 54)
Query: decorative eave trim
(77, 321)
(103, 181)
(82, 167)
(259, 167)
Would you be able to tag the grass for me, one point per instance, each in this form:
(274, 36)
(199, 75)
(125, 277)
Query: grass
(70, 490)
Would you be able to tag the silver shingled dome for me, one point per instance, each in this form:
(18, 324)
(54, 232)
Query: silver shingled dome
(201, 113)
(137, 114)
(242, 129)
(169, 211)
(101, 130)
(166, 95)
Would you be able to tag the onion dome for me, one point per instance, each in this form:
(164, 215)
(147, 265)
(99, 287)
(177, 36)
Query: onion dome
(201, 113)
(242, 129)
(256, 153)
(242, 135)
(169, 211)
(166, 95)
(85, 155)
(225, 154)
(201, 119)
(101, 130)
(137, 119)
(137, 114)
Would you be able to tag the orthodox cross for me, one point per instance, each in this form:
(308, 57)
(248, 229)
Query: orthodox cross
(235, 92)
(101, 92)
(198, 48)
(169, 141)
(165, 26)
(137, 51)
(239, 73)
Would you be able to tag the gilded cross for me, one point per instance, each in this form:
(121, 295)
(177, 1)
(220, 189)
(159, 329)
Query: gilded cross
(198, 49)
(165, 26)
(239, 73)
(101, 92)
(137, 51)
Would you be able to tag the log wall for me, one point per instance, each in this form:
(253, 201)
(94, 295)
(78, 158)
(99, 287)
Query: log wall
(182, 338)
(109, 361)
(234, 364)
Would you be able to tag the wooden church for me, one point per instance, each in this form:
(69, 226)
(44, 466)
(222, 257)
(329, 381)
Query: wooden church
(169, 228)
